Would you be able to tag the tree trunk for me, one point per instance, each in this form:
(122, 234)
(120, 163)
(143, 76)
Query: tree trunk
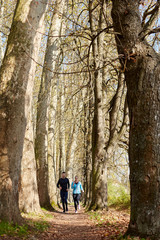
(41, 142)
(99, 196)
(116, 129)
(88, 147)
(1, 34)
(13, 114)
(70, 155)
(28, 193)
(52, 146)
(142, 75)
(62, 127)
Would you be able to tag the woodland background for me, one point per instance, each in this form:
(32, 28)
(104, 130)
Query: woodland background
(78, 80)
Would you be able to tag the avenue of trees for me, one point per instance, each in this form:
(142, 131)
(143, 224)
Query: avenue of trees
(80, 92)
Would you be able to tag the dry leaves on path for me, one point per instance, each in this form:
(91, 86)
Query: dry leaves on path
(106, 225)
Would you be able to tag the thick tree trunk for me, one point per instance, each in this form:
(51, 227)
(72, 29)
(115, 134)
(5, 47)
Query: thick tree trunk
(28, 193)
(142, 74)
(144, 145)
(41, 142)
(13, 114)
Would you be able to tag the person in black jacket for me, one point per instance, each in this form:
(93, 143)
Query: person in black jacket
(64, 185)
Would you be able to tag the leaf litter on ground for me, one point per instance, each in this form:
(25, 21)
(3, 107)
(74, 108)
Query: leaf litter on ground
(99, 225)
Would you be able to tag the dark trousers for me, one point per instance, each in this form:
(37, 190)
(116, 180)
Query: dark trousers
(64, 196)
(76, 198)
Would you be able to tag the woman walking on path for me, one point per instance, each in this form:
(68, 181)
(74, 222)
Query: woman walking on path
(77, 189)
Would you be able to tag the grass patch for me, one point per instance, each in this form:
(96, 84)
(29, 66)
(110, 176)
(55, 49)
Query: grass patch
(14, 230)
(41, 226)
(11, 229)
(118, 196)
(35, 224)
(97, 216)
(46, 214)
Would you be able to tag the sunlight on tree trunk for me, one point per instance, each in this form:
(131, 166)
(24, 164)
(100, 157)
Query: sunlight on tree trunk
(13, 114)
(41, 141)
(28, 196)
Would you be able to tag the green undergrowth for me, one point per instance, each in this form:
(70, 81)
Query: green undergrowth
(14, 230)
(118, 196)
(97, 216)
(34, 224)
(10, 229)
(46, 214)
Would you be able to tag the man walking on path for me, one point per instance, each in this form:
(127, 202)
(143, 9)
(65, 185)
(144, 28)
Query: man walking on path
(77, 189)
(64, 185)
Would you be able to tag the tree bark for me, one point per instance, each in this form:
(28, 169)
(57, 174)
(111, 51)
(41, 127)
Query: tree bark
(28, 193)
(52, 146)
(72, 143)
(88, 146)
(99, 196)
(62, 127)
(116, 130)
(13, 114)
(1, 34)
(141, 66)
(41, 141)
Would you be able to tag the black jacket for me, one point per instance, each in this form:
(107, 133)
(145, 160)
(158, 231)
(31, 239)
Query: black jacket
(64, 183)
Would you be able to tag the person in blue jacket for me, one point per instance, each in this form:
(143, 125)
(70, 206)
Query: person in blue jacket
(77, 189)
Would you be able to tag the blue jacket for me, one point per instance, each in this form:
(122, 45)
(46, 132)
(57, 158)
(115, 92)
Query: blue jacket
(77, 188)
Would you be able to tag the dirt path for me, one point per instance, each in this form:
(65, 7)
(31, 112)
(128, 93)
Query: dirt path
(79, 226)
(73, 226)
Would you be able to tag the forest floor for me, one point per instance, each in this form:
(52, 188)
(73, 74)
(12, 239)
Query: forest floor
(87, 226)
(106, 225)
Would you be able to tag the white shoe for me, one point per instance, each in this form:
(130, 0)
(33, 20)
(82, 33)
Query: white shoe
(79, 207)
(76, 212)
